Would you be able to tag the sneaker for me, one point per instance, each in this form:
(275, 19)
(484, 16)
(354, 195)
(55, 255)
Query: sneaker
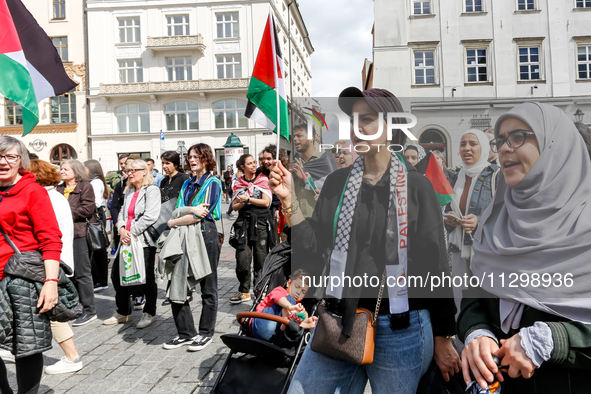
(100, 288)
(139, 302)
(84, 319)
(146, 320)
(166, 302)
(240, 298)
(199, 342)
(64, 366)
(118, 319)
(6, 355)
(178, 342)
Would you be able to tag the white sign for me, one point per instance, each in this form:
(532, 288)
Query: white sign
(232, 154)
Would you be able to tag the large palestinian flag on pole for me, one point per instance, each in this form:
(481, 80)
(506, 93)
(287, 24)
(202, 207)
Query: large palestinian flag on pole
(30, 67)
(266, 91)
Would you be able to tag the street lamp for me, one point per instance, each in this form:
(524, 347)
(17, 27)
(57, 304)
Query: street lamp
(579, 115)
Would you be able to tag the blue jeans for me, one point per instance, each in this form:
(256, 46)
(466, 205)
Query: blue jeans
(264, 329)
(400, 359)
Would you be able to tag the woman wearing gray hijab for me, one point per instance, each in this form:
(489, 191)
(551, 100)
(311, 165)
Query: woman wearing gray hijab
(533, 246)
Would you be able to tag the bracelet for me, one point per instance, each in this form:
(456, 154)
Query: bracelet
(51, 280)
(248, 201)
(292, 209)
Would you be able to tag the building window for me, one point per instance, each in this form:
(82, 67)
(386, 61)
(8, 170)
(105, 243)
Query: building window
(424, 67)
(62, 152)
(227, 25)
(584, 61)
(14, 112)
(474, 6)
(178, 25)
(59, 9)
(179, 68)
(583, 4)
(229, 114)
(129, 30)
(133, 118)
(529, 63)
(63, 108)
(61, 44)
(523, 5)
(476, 65)
(229, 66)
(182, 115)
(434, 139)
(421, 7)
(131, 71)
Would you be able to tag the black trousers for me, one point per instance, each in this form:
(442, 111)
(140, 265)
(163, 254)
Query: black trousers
(183, 319)
(150, 289)
(100, 267)
(83, 276)
(245, 256)
(29, 371)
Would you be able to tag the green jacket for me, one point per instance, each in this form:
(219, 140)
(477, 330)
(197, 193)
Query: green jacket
(569, 368)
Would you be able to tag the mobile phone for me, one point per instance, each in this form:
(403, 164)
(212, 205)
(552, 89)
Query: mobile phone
(450, 216)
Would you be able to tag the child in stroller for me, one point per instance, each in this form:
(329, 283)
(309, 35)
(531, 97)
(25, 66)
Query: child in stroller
(283, 302)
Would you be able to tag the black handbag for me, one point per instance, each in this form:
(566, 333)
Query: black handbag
(96, 236)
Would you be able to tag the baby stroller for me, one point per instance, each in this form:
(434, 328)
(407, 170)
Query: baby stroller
(258, 366)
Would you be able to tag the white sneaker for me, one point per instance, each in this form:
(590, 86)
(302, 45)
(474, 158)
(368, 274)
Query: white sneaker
(64, 366)
(6, 355)
(118, 319)
(146, 320)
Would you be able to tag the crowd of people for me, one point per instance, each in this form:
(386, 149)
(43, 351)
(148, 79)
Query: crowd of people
(519, 206)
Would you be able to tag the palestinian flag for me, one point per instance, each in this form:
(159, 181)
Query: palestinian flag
(266, 90)
(445, 193)
(30, 67)
(308, 180)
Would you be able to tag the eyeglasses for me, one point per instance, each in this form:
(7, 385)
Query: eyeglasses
(10, 159)
(133, 170)
(514, 140)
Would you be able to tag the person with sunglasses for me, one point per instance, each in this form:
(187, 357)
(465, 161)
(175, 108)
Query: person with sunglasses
(538, 228)
(474, 188)
(30, 225)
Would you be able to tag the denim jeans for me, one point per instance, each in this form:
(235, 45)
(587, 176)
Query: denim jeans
(264, 329)
(401, 358)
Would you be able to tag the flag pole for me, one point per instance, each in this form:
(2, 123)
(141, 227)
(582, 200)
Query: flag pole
(277, 68)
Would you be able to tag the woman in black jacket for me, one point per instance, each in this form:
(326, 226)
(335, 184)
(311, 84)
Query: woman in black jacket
(381, 218)
(172, 183)
(80, 194)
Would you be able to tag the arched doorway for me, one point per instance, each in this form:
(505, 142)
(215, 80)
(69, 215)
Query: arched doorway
(62, 152)
(433, 139)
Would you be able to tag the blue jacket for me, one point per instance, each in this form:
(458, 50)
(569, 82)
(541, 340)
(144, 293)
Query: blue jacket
(482, 195)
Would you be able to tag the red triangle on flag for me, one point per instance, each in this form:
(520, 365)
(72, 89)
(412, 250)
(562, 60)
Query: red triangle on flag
(434, 172)
(263, 67)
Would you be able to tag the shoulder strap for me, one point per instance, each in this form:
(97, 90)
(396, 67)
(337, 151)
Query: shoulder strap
(9, 241)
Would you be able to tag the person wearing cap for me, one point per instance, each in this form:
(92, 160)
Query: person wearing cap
(356, 217)
(307, 152)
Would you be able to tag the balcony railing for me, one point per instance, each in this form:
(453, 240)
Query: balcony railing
(173, 86)
(175, 42)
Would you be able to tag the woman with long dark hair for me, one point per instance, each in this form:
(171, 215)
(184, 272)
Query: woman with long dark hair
(203, 193)
(80, 194)
(380, 218)
(100, 259)
(254, 226)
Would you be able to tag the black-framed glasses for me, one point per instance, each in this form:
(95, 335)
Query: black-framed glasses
(133, 170)
(11, 159)
(514, 140)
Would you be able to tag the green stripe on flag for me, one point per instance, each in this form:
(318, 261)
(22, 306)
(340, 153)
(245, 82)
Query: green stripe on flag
(16, 84)
(445, 199)
(265, 98)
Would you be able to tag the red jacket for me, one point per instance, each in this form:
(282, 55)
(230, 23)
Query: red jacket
(27, 216)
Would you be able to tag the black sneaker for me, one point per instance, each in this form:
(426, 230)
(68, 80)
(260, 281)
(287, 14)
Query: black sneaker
(139, 302)
(177, 342)
(84, 319)
(200, 342)
(166, 302)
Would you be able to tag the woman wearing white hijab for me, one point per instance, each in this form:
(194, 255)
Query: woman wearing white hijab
(537, 227)
(474, 186)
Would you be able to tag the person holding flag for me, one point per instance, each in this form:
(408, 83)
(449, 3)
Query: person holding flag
(252, 234)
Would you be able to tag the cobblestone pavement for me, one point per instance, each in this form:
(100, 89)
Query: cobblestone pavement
(124, 359)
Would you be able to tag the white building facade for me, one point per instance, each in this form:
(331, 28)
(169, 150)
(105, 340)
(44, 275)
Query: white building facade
(183, 67)
(460, 64)
(62, 129)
